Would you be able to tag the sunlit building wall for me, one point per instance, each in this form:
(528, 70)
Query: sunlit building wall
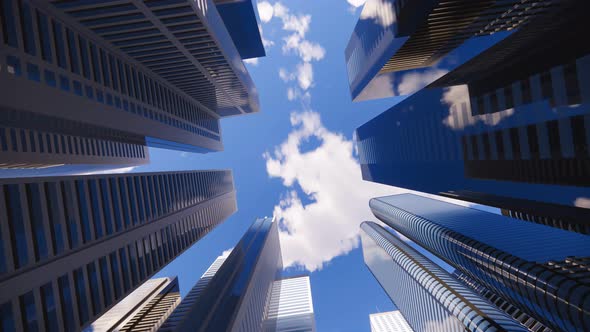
(391, 321)
(291, 306)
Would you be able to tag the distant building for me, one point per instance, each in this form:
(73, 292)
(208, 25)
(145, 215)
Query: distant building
(290, 307)
(541, 270)
(97, 82)
(429, 298)
(393, 36)
(72, 247)
(145, 309)
(391, 321)
(242, 291)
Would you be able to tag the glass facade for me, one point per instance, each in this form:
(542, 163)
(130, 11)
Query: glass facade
(429, 298)
(95, 268)
(237, 295)
(535, 267)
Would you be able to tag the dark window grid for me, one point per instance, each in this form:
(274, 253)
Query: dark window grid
(67, 303)
(9, 24)
(95, 62)
(554, 139)
(112, 222)
(94, 287)
(96, 205)
(125, 269)
(60, 44)
(81, 296)
(49, 307)
(133, 204)
(16, 225)
(547, 87)
(141, 200)
(84, 212)
(154, 252)
(125, 202)
(69, 207)
(533, 141)
(141, 184)
(165, 248)
(526, 91)
(140, 259)
(37, 215)
(122, 77)
(572, 84)
(73, 51)
(580, 135)
(104, 68)
(26, 27)
(132, 250)
(105, 276)
(148, 255)
(116, 274)
(113, 72)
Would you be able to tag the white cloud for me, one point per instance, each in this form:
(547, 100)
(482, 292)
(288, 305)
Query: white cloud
(306, 50)
(252, 61)
(291, 94)
(285, 75)
(305, 75)
(356, 3)
(265, 11)
(380, 11)
(313, 234)
(582, 202)
(414, 81)
(265, 42)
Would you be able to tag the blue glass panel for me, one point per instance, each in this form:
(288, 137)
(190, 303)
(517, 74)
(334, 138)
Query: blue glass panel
(54, 218)
(116, 202)
(29, 312)
(74, 61)
(27, 28)
(49, 308)
(8, 23)
(125, 269)
(43, 30)
(50, 78)
(94, 198)
(67, 304)
(93, 278)
(125, 202)
(106, 281)
(105, 69)
(64, 84)
(116, 274)
(7, 318)
(81, 295)
(78, 88)
(16, 225)
(84, 56)
(141, 200)
(35, 209)
(60, 46)
(132, 200)
(33, 72)
(133, 264)
(69, 200)
(84, 212)
(95, 65)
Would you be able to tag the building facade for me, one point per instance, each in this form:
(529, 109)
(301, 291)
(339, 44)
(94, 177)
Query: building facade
(541, 270)
(145, 309)
(396, 36)
(526, 320)
(429, 298)
(237, 295)
(72, 247)
(291, 306)
(392, 321)
(118, 76)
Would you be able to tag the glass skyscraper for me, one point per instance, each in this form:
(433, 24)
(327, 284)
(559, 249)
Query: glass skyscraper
(392, 321)
(243, 291)
(541, 270)
(145, 309)
(72, 247)
(112, 77)
(429, 298)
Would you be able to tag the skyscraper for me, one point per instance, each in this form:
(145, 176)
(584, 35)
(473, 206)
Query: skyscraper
(511, 123)
(290, 307)
(541, 270)
(72, 247)
(393, 36)
(145, 309)
(110, 77)
(429, 298)
(242, 291)
(391, 321)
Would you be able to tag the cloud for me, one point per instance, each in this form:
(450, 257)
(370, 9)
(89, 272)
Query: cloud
(285, 75)
(356, 3)
(380, 11)
(582, 202)
(414, 81)
(265, 42)
(252, 61)
(329, 176)
(304, 75)
(291, 94)
(265, 11)
(457, 99)
(307, 51)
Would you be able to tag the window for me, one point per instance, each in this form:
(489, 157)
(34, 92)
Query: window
(125, 202)
(83, 46)
(95, 198)
(64, 84)
(114, 75)
(8, 23)
(59, 44)
(16, 225)
(6, 316)
(50, 78)
(49, 308)
(84, 211)
(28, 34)
(116, 202)
(45, 40)
(139, 245)
(89, 92)
(132, 200)
(141, 199)
(67, 304)
(74, 61)
(93, 279)
(56, 228)
(105, 69)
(133, 263)
(95, 65)
(78, 88)
(81, 295)
(13, 65)
(33, 72)
(36, 217)
(125, 269)
(28, 312)
(68, 200)
(106, 281)
(116, 275)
